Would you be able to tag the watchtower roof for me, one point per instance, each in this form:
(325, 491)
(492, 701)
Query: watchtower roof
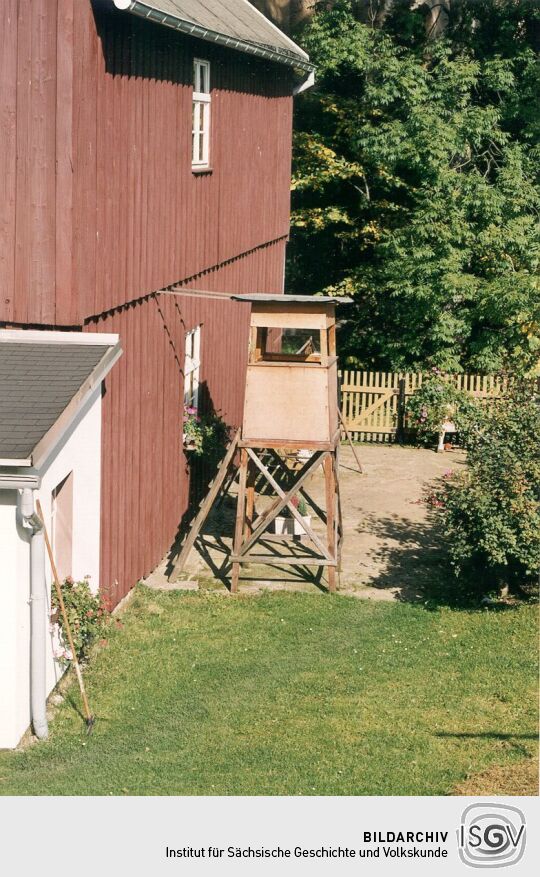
(306, 300)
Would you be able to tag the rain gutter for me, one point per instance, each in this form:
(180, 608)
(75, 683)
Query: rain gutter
(270, 53)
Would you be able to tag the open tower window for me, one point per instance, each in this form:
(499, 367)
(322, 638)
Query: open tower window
(290, 344)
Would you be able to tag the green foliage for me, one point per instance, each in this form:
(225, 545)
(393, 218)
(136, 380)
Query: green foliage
(436, 401)
(206, 434)
(87, 615)
(416, 187)
(301, 505)
(491, 511)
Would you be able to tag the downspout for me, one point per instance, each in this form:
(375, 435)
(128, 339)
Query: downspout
(38, 665)
(306, 83)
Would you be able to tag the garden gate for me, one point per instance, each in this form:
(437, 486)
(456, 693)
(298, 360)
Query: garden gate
(374, 404)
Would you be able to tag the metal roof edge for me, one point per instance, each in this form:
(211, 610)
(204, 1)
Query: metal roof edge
(292, 299)
(270, 53)
(45, 336)
(295, 49)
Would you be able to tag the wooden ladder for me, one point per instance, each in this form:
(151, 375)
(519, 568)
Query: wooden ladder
(205, 507)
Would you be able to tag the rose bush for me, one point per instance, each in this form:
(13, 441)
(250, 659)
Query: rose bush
(491, 511)
(436, 401)
(87, 615)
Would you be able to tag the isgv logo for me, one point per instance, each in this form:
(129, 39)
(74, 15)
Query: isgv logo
(491, 835)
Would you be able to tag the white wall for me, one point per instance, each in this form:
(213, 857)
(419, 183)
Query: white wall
(80, 453)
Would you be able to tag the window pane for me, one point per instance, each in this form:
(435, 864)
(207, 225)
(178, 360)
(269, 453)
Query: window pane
(201, 114)
(201, 77)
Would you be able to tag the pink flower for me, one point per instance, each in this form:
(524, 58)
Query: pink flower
(63, 653)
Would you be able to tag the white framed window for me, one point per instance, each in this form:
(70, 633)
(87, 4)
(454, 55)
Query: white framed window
(192, 367)
(200, 132)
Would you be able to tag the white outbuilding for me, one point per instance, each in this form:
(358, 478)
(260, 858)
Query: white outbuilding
(50, 449)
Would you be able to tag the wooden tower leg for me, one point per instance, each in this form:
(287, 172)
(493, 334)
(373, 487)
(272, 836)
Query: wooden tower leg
(240, 518)
(339, 515)
(250, 498)
(330, 486)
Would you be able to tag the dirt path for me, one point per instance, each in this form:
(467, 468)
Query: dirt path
(390, 542)
(390, 548)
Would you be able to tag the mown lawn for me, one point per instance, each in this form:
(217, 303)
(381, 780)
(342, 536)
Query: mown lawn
(292, 694)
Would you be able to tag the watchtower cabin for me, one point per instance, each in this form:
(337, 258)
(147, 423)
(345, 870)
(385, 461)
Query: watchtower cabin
(292, 394)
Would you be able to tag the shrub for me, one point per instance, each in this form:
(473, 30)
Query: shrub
(208, 433)
(491, 511)
(436, 401)
(87, 616)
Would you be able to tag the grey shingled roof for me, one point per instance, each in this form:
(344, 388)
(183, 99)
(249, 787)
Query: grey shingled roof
(37, 381)
(237, 21)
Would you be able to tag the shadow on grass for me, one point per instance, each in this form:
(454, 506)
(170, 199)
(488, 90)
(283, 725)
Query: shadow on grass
(488, 735)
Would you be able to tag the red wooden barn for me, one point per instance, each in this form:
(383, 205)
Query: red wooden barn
(145, 151)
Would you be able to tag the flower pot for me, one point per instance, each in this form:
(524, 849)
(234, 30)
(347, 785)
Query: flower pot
(298, 529)
(447, 426)
(189, 444)
(290, 526)
(283, 526)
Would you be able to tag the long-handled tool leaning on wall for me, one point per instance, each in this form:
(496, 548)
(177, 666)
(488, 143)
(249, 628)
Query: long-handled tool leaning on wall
(89, 718)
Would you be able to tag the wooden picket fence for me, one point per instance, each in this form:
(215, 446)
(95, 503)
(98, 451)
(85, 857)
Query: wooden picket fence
(374, 404)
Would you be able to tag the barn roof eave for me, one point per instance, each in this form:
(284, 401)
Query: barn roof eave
(295, 58)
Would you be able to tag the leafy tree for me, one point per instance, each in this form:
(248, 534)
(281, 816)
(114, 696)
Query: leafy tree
(416, 186)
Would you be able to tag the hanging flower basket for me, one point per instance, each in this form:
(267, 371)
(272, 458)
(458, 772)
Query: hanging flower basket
(203, 435)
(193, 431)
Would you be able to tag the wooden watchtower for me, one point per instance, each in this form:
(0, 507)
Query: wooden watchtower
(290, 428)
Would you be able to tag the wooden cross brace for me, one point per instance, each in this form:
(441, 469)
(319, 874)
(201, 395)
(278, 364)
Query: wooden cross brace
(286, 501)
(248, 533)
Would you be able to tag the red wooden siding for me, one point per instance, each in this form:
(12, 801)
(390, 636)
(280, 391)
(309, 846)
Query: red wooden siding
(145, 483)
(100, 205)
(99, 210)
(28, 63)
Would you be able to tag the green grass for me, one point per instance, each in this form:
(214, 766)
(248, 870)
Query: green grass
(292, 694)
